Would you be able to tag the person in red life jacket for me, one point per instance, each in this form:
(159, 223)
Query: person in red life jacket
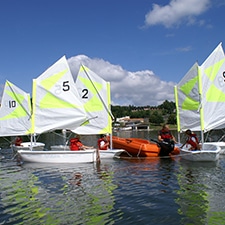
(192, 140)
(18, 141)
(167, 142)
(76, 144)
(103, 143)
(165, 133)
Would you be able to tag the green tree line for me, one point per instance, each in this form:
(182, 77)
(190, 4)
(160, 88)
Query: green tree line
(164, 113)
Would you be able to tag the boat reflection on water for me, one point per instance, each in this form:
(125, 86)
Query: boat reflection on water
(19, 197)
(76, 179)
(94, 187)
(118, 191)
(57, 194)
(197, 194)
(191, 192)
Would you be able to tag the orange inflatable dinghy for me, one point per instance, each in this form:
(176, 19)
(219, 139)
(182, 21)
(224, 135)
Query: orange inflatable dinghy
(139, 147)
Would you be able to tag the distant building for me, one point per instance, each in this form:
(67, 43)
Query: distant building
(135, 123)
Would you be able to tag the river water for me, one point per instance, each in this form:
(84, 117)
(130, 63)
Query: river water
(118, 191)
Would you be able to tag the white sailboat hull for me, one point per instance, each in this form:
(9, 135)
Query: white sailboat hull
(221, 144)
(87, 156)
(104, 154)
(209, 152)
(60, 148)
(110, 153)
(36, 146)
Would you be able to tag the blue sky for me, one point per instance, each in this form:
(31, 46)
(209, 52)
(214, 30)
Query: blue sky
(142, 47)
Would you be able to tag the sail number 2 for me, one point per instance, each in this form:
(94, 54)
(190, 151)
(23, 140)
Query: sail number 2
(85, 93)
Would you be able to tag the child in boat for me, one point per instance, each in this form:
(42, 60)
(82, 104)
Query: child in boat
(192, 140)
(76, 144)
(18, 141)
(165, 133)
(167, 142)
(103, 143)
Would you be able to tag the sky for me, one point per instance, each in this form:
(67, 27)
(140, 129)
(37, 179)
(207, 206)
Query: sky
(142, 47)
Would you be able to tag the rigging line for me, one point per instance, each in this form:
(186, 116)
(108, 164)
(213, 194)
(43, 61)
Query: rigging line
(140, 148)
(18, 100)
(106, 108)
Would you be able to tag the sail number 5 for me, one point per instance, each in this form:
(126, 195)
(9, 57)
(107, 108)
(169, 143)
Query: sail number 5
(64, 87)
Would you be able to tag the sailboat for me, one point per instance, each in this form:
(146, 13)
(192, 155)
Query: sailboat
(56, 105)
(15, 116)
(94, 93)
(200, 102)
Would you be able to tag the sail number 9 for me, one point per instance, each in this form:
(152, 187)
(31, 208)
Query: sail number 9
(221, 80)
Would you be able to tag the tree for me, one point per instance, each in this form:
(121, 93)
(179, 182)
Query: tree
(156, 118)
(157, 114)
(172, 119)
(169, 107)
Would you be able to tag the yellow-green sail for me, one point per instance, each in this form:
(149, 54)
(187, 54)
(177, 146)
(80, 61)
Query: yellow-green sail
(15, 111)
(56, 103)
(95, 94)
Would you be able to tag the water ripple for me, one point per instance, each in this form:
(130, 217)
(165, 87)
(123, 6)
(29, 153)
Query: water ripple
(116, 192)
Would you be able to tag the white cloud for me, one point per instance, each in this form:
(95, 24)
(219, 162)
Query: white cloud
(184, 49)
(138, 88)
(175, 12)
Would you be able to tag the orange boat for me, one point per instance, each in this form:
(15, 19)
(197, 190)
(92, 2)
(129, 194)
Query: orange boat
(140, 147)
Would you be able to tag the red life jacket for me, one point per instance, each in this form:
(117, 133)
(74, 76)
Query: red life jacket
(75, 144)
(165, 134)
(18, 141)
(194, 143)
(99, 144)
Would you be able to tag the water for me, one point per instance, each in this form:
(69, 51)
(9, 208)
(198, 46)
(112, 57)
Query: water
(119, 191)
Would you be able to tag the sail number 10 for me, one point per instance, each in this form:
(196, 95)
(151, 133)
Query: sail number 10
(10, 104)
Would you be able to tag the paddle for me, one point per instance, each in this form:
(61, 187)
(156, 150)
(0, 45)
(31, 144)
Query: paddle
(183, 145)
